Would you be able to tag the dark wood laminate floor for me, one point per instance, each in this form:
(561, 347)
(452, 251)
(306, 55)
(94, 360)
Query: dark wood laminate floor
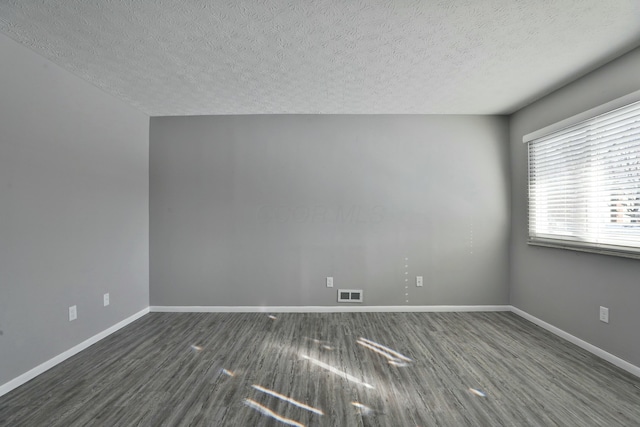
(321, 369)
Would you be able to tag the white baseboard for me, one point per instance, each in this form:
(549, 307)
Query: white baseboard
(327, 309)
(615, 360)
(18, 381)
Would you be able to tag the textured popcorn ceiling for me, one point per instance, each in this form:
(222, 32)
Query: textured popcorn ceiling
(191, 57)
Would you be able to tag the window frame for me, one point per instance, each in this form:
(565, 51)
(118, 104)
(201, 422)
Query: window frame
(605, 249)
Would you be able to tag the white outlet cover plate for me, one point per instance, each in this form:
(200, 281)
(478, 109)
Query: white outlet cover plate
(329, 282)
(105, 299)
(604, 314)
(73, 313)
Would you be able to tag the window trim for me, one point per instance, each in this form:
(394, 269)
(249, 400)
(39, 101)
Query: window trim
(624, 252)
(620, 251)
(581, 117)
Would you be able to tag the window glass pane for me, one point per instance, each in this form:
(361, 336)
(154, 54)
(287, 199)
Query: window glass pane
(584, 183)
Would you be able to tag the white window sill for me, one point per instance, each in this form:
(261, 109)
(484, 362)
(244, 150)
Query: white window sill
(574, 246)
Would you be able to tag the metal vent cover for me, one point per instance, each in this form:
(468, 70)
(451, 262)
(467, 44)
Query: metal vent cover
(350, 295)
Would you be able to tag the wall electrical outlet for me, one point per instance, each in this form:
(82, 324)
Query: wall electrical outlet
(604, 314)
(419, 281)
(105, 299)
(329, 282)
(73, 313)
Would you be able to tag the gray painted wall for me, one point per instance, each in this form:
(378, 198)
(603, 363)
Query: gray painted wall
(566, 288)
(258, 210)
(73, 209)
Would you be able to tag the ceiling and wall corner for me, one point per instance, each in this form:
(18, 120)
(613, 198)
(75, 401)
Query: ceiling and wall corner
(196, 57)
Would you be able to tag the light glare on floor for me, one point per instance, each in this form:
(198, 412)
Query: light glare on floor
(336, 371)
(398, 363)
(386, 349)
(364, 409)
(229, 373)
(323, 344)
(477, 392)
(377, 350)
(288, 399)
(268, 412)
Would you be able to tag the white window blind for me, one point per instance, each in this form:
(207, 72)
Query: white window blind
(584, 184)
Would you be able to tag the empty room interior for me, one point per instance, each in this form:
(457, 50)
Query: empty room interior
(361, 213)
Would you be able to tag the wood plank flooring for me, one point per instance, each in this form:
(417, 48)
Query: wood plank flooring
(328, 369)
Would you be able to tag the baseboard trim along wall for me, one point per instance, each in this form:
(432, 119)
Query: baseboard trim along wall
(615, 360)
(16, 382)
(43, 367)
(328, 309)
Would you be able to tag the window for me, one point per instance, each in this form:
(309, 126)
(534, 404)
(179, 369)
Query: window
(584, 181)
